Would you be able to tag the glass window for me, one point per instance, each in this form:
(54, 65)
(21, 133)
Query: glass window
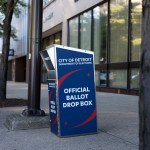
(51, 40)
(136, 12)
(58, 38)
(134, 79)
(73, 32)
(97, 78)
(118, 30)
(85, 30)
(45, 43)
(100, 33)
(101, 78)
(118, 78)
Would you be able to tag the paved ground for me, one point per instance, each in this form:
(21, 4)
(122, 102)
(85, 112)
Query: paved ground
(117, 125)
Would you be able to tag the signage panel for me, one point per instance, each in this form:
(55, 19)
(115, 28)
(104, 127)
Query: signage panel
(72, 96)
(52, 106)
(11, 52)
(76, 92)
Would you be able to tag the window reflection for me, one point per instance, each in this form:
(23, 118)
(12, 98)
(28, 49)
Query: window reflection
(118, 30)
(118, 78)
(57, 38)
(101, 77)
(85, 30)
(136, 12)
(94, 24)
(134, 78)
(100, 32)
(52, 39)
(73, 32)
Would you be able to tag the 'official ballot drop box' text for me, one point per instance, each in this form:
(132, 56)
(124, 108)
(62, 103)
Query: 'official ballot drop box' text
(71, 86)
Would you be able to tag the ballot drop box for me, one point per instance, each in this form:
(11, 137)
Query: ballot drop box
(71, 89)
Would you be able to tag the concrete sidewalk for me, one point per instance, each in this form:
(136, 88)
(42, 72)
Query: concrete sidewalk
(117, 125)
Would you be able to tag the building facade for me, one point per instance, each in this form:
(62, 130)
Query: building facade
(17, 68)
(112, 29)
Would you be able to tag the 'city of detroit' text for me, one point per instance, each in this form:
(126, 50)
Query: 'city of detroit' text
(75, 61)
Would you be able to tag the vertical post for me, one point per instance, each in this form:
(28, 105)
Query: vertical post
(144, 98)
(29, 50)
(35, 71)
